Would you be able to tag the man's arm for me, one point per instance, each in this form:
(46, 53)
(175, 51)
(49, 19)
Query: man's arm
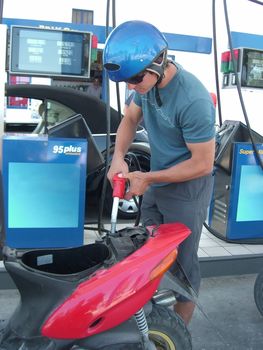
(125, 135)
(200, 164)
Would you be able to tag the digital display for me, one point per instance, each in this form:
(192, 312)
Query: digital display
(43, 195)
(252, 68)
(44, 184)
(48, 52)
(249, 207)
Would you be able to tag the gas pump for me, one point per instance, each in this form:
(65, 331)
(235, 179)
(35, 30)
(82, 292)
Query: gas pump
(43, 179)
(234, 214)
(235, 211)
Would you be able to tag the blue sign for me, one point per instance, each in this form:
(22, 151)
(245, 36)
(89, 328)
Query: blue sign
(177, 42)
(254, 41)
(44, 191)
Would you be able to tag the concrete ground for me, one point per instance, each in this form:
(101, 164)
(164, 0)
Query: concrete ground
(233, 322)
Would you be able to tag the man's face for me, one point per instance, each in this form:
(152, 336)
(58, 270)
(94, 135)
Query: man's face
(148, 82)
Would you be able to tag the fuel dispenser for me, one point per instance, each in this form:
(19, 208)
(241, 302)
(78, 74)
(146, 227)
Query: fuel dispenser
(236, 207)
(43, 177)
(249, 66)
(44, 191)
(235, 213)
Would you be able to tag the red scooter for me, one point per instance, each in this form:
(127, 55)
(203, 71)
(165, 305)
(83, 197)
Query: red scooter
(106, 295)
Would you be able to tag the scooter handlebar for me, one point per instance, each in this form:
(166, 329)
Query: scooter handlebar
(119, 183)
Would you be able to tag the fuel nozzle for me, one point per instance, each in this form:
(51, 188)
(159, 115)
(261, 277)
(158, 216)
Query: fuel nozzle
(118, 193)
(119, 183)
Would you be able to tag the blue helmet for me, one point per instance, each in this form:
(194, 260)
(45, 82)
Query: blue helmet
(131, 48)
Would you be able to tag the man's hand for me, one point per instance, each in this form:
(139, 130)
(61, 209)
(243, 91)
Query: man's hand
(138, 183)
(118, 166)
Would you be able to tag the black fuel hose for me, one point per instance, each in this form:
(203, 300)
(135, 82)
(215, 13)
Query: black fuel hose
(117, 84)
(1, 10)
(108, 122)
(218, 106)
(256, 2)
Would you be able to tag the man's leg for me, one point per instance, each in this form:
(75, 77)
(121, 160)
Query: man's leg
(187, 266)
(151, 215)
(186, 203)
(185, 310)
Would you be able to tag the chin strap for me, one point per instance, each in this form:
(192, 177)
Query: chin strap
(160, 78)
(158, 67)
(157, 96)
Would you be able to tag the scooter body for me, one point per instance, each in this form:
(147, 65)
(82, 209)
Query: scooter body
(86, 297)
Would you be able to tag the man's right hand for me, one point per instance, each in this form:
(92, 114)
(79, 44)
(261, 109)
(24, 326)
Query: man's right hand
(118, 166)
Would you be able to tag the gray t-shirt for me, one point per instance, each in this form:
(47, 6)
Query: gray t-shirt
(187, 115)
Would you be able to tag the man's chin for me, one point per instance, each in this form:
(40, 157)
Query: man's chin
(142, 91)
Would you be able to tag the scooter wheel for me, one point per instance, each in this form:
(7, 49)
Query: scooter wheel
(258, 292)
(167, 330)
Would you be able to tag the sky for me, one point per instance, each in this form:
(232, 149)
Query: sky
(178, 16)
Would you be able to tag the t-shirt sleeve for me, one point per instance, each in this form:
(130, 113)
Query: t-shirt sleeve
(137, 99)
(129, 99)
(197, 122)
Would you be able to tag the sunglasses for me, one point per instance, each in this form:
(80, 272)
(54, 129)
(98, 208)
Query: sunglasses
(137, 79)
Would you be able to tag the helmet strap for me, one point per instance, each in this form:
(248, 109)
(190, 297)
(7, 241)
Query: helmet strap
(158, 97)
(157, 67)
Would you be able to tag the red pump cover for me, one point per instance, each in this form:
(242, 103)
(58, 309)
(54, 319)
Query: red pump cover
(113, 295)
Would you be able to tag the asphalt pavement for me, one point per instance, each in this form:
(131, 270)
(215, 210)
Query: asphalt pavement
(231, 321)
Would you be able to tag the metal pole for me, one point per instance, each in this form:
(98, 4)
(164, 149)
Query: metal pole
(1, 10)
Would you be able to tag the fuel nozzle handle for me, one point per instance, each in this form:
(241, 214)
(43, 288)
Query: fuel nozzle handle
(119, 183)
(118, 193)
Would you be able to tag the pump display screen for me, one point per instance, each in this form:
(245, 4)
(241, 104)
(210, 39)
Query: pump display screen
(252, 68)
(249, 206)
(46, 52)
(245, 219)
(43, 195)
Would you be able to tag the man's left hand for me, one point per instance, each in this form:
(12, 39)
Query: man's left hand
(138, 184)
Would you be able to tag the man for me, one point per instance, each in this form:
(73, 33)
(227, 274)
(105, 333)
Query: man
(179, 116)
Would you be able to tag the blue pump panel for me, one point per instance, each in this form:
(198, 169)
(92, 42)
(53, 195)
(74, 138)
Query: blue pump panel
(245, 209)
(44, 191)
(240, 39)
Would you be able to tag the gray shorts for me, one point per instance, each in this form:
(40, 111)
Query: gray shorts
(185, 202)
